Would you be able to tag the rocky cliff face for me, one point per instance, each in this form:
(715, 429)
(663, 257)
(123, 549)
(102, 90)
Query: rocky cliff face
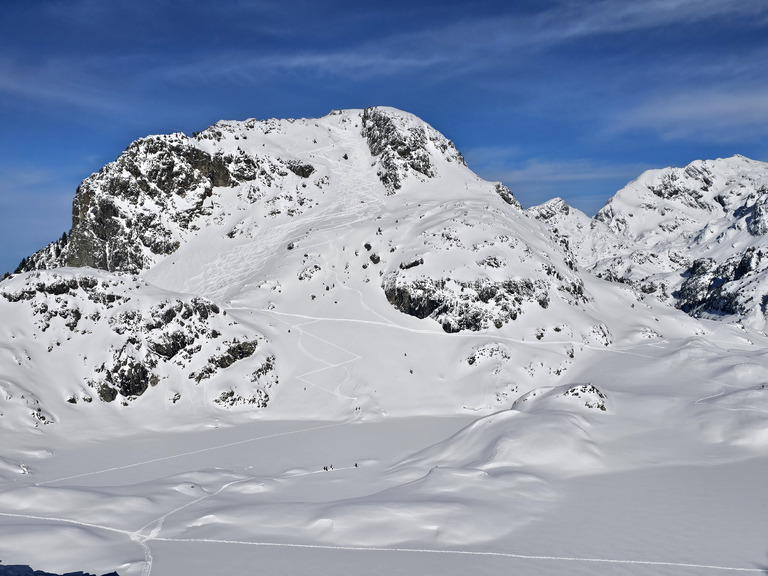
(404, 146)
(479, 266)
(135, 290)
(147, 202)
(733, 287)
(189, 256)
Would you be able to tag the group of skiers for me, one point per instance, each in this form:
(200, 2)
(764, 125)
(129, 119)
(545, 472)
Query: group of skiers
(330, 467)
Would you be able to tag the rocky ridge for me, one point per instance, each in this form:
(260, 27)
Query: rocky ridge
(694, 237)
(144, 204)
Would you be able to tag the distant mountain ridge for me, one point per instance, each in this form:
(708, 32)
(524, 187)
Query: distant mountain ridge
(694, 237)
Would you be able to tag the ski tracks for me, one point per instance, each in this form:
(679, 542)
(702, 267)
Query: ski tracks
(304, 377)
(354, 199)
(193, 452)
(143, 540)
(138, 536)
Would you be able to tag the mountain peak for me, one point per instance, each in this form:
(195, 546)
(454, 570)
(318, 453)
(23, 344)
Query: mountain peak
(404, 144)
(141, 207)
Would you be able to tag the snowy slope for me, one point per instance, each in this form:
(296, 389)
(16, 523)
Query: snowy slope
(585, 238)
(79, 338)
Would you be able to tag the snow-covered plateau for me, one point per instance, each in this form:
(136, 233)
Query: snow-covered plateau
(326, 346)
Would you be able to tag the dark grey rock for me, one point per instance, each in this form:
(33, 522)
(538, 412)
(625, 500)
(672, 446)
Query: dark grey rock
(708, 287)
(25, 570)
(402, 149)
(130, 210)
(473, 306)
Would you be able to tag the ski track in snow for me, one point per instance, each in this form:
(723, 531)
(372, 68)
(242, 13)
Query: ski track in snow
(302, 377)
(137, 536)
(439, 333)
(142, 540)
(723, 392)
(242, 262)
(389, 324)
(193, 452)
(470, 553)
(328, 365)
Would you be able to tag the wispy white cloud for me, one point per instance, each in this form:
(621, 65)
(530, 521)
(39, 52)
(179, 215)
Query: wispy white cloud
(492, 157)
(585, 184)
(25, 185)
(35, 208)
(246, 67)
(79, 82)
(611, 16)
(713, 115)
(565, 22)
(108, 83)
(542, 172)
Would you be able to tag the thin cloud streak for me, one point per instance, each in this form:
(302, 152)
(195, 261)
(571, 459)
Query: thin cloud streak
(612, 16)
(549, 171)
(91, 82)
(246, 67)
(492, 156)
(29, 230)
(712, 115)
(605, 79)
(77, 83)
(583, 183)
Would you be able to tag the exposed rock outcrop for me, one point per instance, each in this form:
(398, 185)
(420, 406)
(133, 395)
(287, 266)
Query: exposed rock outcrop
(145, 203)
(722, 289)
(402, 144)
(130, 337)
(474, 306)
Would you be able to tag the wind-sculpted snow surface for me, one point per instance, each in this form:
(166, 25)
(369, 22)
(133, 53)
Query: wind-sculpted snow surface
(531, 440)
(25, 570)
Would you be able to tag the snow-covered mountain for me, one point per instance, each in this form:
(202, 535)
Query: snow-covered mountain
(694, 237)
(329, 336)
(368, 212)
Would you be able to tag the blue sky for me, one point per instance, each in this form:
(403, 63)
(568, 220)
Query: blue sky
(570, 99)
